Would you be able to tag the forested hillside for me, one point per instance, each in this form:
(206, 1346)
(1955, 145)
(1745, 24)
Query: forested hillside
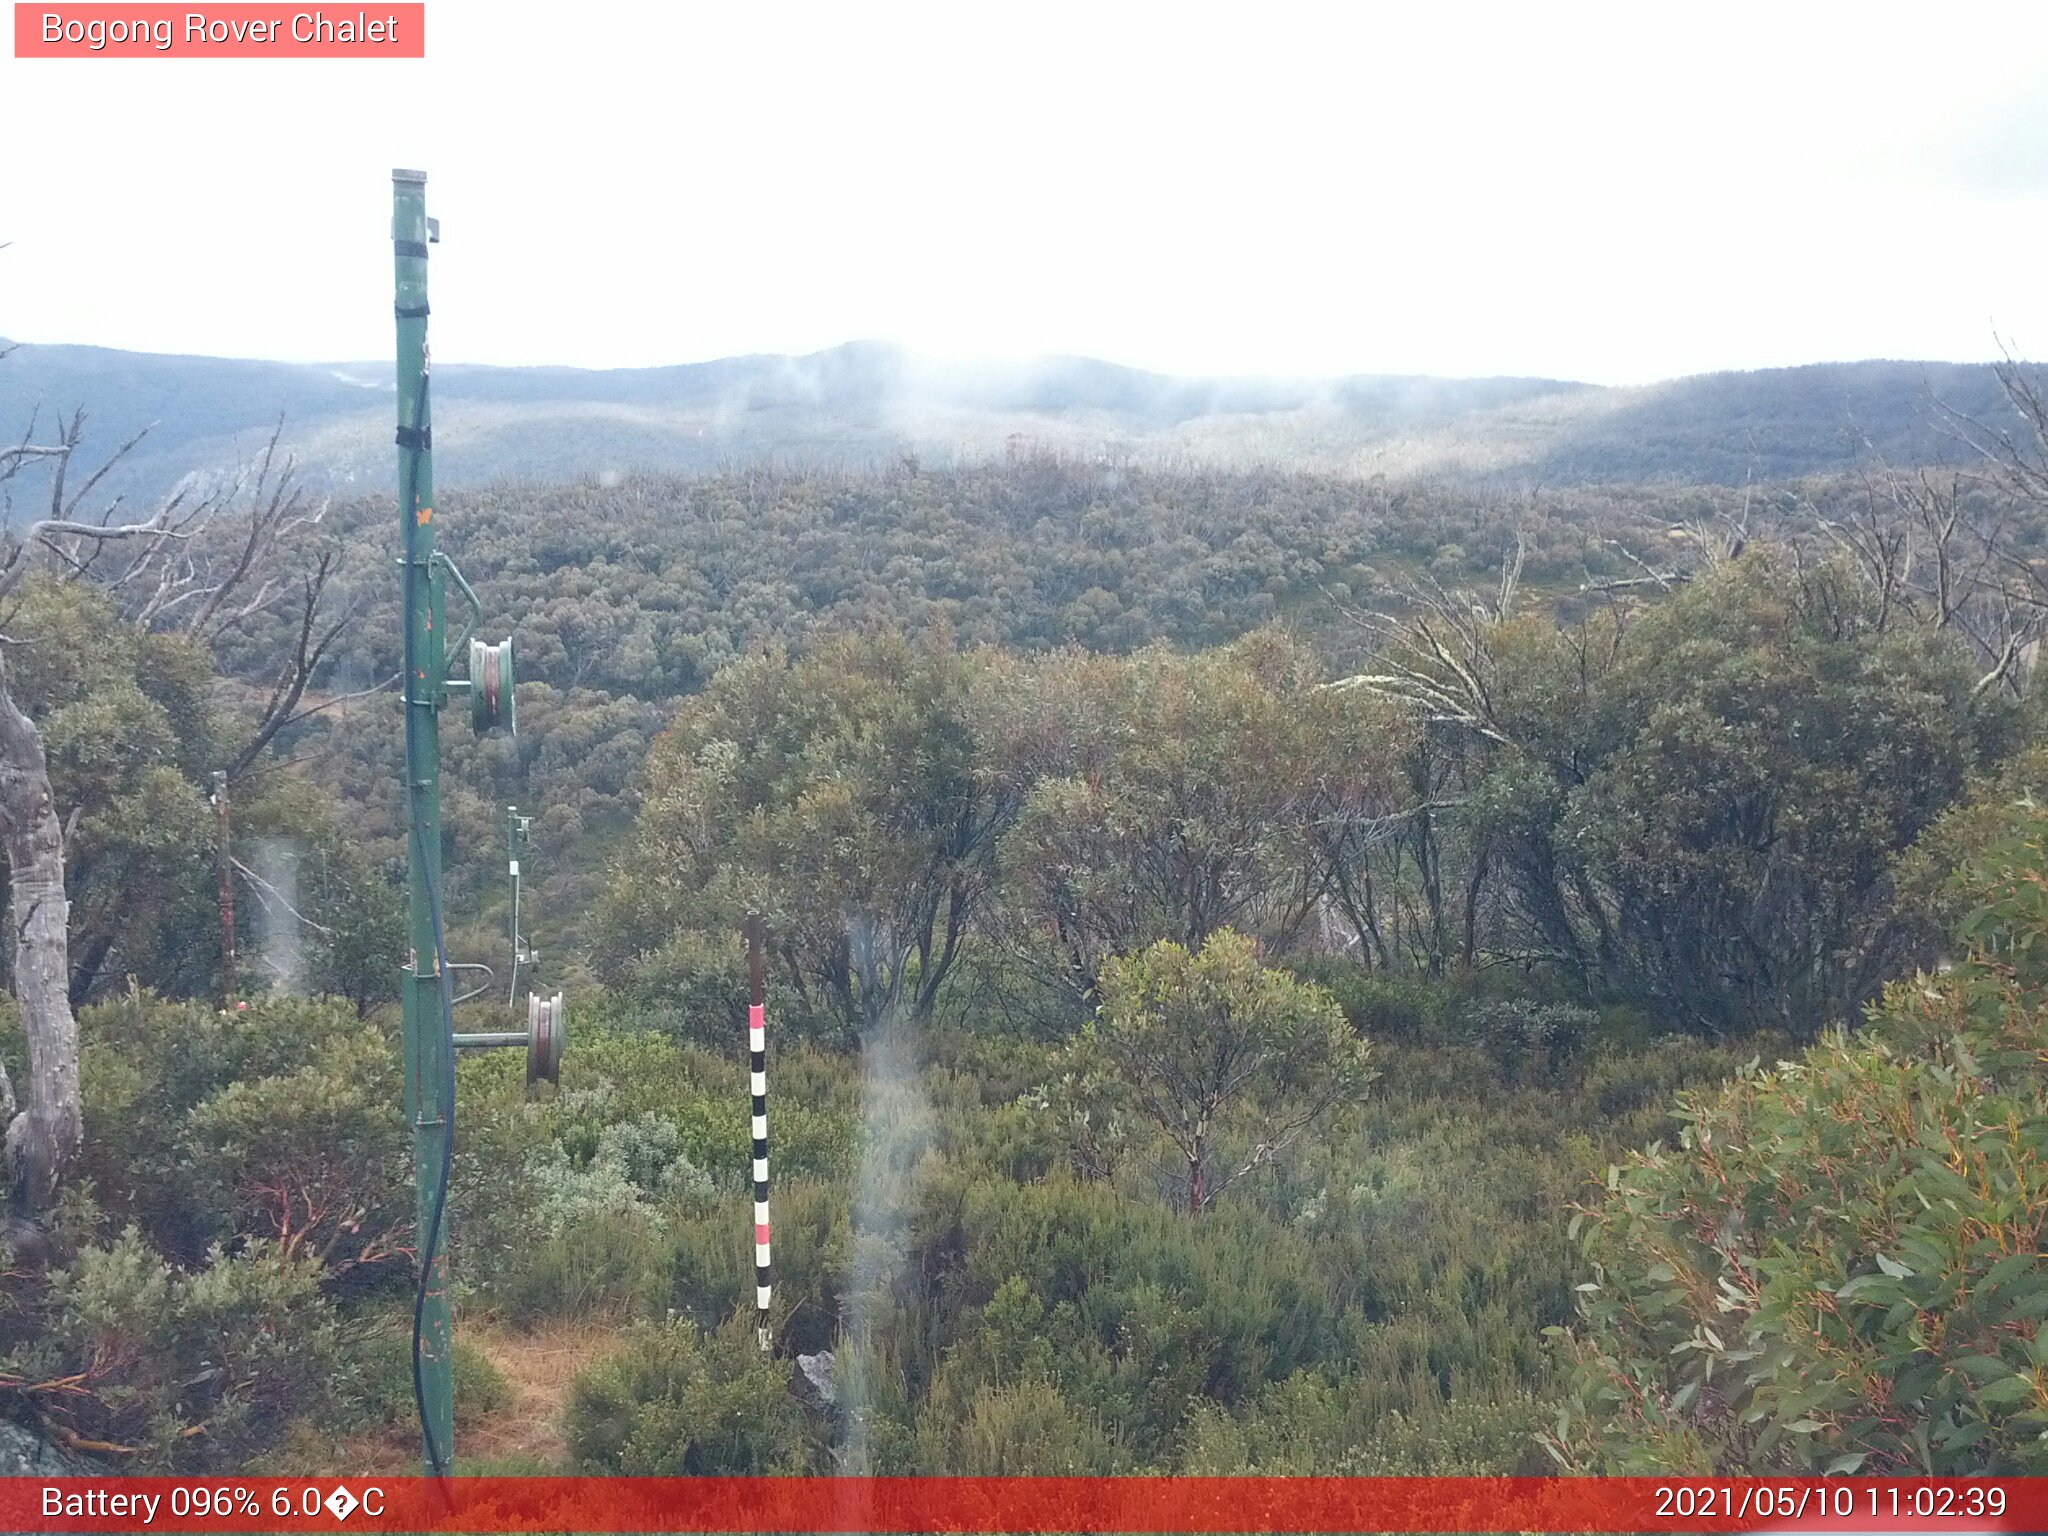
(1269, 971)
(868, 405)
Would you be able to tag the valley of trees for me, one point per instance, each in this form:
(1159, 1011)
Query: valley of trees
(867, 404)
(1269, 972)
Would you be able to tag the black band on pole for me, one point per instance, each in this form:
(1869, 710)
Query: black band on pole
(410, 248)
(420, 440)
(412, 311)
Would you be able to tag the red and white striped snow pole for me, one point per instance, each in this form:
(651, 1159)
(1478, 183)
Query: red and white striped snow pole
(757, 1070)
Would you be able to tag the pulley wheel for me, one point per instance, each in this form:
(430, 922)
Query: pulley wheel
(546, 1025)
(490, 687)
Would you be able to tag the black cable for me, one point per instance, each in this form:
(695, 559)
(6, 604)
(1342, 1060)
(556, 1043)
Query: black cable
(437, 1458)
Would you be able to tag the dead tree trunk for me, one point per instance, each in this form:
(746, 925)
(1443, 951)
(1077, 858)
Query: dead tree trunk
(44, 1133)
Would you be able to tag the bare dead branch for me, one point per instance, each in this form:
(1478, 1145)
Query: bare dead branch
(304, 659)
(267, 893)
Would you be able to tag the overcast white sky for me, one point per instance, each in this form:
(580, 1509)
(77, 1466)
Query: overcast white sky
(1613, 194)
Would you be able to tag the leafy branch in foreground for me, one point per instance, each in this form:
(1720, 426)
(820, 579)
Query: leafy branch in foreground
(1839, 1267)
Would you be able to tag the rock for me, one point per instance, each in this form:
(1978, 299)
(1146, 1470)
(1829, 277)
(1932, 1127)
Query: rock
(814, 1380)
(24, 1453)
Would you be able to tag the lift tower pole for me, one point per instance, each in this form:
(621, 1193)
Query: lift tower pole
(429, 1044)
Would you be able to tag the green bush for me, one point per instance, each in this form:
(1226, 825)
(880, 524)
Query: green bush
(1529, 1041)
(1465, 1438)
(171, 1370)
(605, 1264)
(1622, 1083)
(627, 1191)
(1379, 1004)
(1925, 891)
(1128, 1307)
(712, 1263)
(676, 1401)
(1838, 1266)
(692, 985)
(1406, 1260)
(1023, 1429)
(236, 1166)
(314, 1158)
(281, 1121)
(1314, 1423)
(1230, 1061)
(480, 1387)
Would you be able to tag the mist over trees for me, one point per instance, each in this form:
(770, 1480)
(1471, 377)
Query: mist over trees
(868, 405)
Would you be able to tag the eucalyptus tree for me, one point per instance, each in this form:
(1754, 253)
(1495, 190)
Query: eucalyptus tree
(1171, 796)
(1232, 1061)
(1699, 800)
(844, 795)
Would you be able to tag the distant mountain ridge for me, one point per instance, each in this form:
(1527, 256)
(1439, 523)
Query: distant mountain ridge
(867, 402)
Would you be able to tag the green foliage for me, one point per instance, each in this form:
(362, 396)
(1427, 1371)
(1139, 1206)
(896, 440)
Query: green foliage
(365, 948)
(1025, 1429)
(1689, 814)
(594, 1233)
(1170, 796)
(604, 1196)
(1380, 1006)
(1124, 1307)
(631, 597)
(1697, 805)
(133, 723)
(181, 1370)
(1838, 1266)
(352, 942)
(842, 796)
(1308, 1424)
(680, 1402)
(1771, 747)
(1229, 1059)
(279, 1121)
(601, 1260)
(1531, 1041)
(888, 804)
(130, 730)
(315, 1158)
(242, 1163)
(384, 1352)
(1405, 1259)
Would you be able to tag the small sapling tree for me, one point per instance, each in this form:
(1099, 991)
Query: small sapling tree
(1232, 1060)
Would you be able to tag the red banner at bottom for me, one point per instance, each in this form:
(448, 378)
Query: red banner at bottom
(1024, 1504)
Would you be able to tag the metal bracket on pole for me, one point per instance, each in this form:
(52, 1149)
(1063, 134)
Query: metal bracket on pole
(473, 992)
